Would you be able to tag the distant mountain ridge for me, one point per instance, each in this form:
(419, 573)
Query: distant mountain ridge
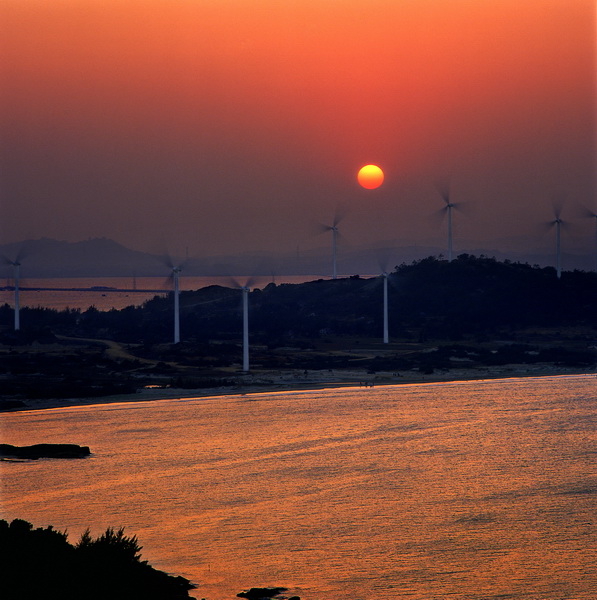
(103, 257)
(99, 257)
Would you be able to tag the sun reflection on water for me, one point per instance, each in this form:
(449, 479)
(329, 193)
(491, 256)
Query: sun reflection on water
(470, 490)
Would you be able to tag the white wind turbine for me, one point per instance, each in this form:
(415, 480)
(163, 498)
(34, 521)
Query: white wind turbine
(17, 276)
(558, 223)
(383, 264)
(386, 334)
(245, 289)
(447, 211)
(338, 217)
(175, 276)
(586, 213)
(16, 265)
(175, 271)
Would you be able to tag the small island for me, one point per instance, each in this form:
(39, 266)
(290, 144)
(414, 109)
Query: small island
(37, 451)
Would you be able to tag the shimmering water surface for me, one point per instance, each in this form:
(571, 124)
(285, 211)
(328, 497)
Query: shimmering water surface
(473, 490)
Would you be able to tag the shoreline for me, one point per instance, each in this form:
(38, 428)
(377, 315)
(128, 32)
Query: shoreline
(297, 381)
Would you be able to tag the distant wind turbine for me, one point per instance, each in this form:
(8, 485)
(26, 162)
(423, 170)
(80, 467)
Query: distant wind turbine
(386, 335)
(245, 289)
(17, 275)
(447, 211)
(338, 217)
(16, 265)
(586, 213)
(175, 275)
(175, 271)
(383, 260)
(558, 223)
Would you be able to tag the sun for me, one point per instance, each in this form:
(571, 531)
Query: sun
(370, 177)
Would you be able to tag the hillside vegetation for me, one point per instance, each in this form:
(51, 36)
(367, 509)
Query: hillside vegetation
(42, 563)
(474, 310)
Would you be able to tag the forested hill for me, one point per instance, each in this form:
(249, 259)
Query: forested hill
(428, 299)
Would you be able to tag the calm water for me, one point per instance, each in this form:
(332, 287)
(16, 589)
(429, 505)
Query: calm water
(59, 299)
(478, 490)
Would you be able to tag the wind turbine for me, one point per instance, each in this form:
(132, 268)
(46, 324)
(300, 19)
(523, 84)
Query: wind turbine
(17, 275)
(386, 335)
(447, 210)
(175, 270)
(245, 289)
(383, 260)
(175, 276)
(16, 264)
(558, 223)
(587, 213)
(338, 217)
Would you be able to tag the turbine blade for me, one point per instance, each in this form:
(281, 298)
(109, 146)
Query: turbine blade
(584, 212)
(250, 281)
(464, 206)
(168, 283)
(319, 229)
(231, 282)
(166, 260)
(558, 204)
(438, 216)
(443, 188)
(24, 252)
(339, 214)
(383, 259)
(545, 226)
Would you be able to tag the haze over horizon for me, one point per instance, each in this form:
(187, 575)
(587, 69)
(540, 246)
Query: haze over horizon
(230, 127)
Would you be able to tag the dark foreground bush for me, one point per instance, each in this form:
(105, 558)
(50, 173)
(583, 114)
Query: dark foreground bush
(41, 563)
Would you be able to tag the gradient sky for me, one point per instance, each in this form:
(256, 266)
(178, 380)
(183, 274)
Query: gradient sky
(237, 125)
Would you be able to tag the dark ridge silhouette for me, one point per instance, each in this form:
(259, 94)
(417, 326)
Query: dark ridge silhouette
(473, 311)
(41, 563)
(439, 299)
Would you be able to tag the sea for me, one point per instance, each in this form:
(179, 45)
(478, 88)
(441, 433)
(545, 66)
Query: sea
(479, 490)
(106, 293)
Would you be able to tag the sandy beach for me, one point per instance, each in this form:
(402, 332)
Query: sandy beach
(295, 380)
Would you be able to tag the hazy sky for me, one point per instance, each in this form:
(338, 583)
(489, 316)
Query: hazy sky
(237, 125)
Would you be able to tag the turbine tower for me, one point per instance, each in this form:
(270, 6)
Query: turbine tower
(174, 280)
(558, 223)
(334, 251)
(448, 209)
(245, 289)
(590, 214)
(17, 274)
(386, 335)
(16, 265)
(175, 275)
(594, 216)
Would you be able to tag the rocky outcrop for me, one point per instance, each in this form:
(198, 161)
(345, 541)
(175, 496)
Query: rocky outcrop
(263, 593)
(44, 451)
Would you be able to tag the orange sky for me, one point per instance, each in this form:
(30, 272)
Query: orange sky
(222, 125)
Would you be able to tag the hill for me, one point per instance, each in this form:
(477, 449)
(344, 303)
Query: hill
(474, 312)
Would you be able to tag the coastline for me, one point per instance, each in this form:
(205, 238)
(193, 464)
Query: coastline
(297, 381)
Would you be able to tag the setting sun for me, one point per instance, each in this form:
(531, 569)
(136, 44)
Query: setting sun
(370, 177)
